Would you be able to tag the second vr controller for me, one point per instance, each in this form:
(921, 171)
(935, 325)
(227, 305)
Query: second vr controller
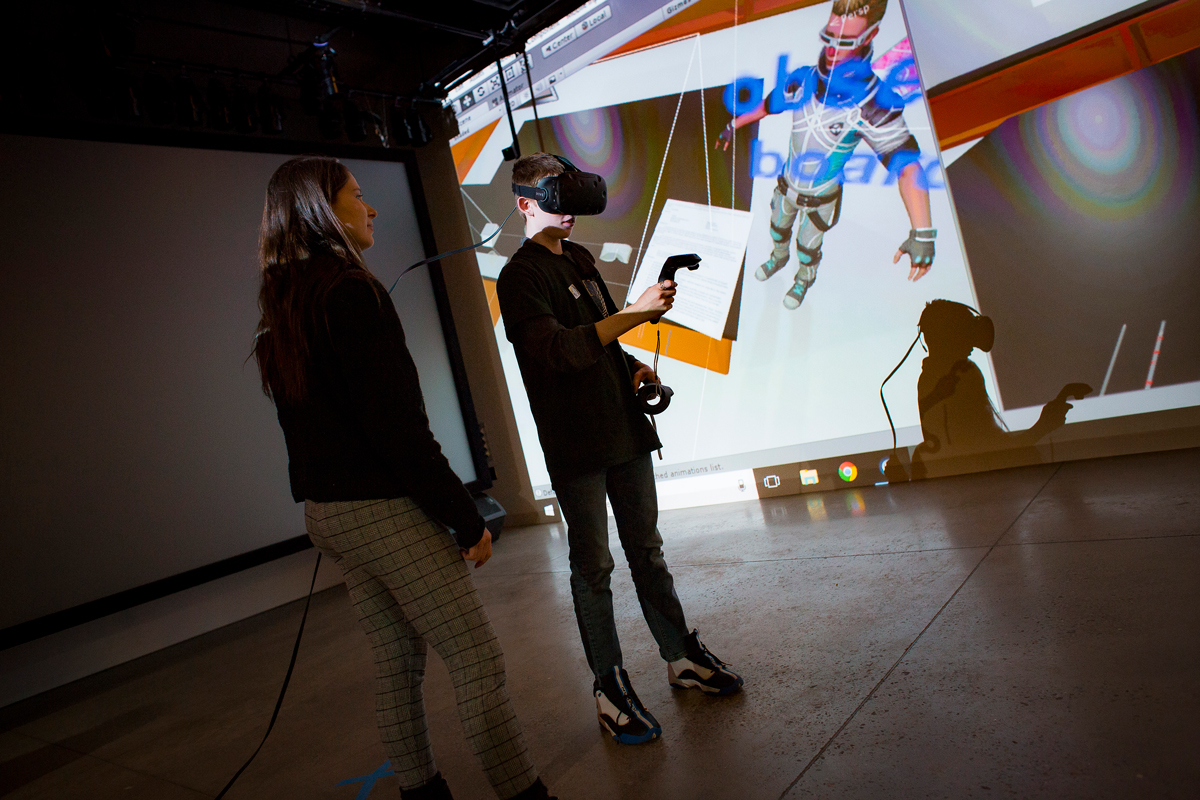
(654, 397)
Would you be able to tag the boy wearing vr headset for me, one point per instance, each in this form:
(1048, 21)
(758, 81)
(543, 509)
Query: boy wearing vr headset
(834, 106)
(564, 326)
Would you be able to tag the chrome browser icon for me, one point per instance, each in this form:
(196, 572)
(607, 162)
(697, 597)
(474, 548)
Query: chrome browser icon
(847, 471)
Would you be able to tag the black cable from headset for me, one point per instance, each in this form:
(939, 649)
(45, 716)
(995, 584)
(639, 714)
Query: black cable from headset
(907, 353)
(657, 343)
(286, 679)
(452, 252)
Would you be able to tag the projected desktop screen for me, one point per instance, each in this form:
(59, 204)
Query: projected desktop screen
(777, 346)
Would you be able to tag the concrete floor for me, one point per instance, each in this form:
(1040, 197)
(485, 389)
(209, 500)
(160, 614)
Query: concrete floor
(1033, 633)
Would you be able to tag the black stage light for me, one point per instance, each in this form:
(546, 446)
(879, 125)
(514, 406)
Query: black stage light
(127, 95)
(99, 85)
(400, 132)
(269, 111)
(329, 120)
(242, 109)
(219, 115)
(355, 118)
(327, 72)
(376, 126)
(188, 102)
(410, 130)
(417, 130)
(160, 106)
(318, 78)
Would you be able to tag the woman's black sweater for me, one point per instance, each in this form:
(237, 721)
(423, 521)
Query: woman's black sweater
(361, 432)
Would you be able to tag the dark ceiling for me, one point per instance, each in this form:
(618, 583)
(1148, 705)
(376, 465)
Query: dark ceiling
(302, 70)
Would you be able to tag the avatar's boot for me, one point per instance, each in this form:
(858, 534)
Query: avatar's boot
(805, 276)
(779, 253)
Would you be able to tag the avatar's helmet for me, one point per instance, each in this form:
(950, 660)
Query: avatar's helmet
(871, 10)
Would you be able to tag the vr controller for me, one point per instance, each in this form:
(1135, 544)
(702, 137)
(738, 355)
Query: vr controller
(674, 264)
(654, 397)
(1074, 391)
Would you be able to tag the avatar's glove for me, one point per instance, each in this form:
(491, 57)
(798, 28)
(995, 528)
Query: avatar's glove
(725, 137)
(919, 246)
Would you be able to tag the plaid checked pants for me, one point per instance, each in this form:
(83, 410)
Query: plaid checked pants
(410, 586)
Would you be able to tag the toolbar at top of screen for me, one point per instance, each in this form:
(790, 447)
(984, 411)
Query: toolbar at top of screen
(589, 33)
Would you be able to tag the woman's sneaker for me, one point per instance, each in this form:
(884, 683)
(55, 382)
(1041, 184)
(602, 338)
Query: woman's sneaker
(700, 669)
(620, 711)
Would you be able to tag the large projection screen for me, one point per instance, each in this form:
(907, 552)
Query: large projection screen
(137, 443)
(773, 399)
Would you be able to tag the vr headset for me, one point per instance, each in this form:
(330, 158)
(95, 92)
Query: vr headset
(573, 192)
(957, 322)
(848, 42)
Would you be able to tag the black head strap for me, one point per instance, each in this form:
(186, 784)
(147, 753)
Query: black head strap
(539, 192)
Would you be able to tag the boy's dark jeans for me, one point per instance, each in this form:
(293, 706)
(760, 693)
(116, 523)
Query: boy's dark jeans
(630, 489)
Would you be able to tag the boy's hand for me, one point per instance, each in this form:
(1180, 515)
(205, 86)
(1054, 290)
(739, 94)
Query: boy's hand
(657, 299)
(644, 374)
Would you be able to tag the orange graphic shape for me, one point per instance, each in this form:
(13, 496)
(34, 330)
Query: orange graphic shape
(466, 151)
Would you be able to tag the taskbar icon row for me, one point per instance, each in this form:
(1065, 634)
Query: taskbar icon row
(825, 474)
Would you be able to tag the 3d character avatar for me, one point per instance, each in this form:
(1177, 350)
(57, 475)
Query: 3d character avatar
(834, 106)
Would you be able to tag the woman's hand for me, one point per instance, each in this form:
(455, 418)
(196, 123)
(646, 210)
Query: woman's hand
(482, 550)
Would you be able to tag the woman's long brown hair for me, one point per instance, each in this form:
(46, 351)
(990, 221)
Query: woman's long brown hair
(303, 251)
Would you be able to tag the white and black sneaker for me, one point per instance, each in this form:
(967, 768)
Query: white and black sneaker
(620, 711)
(700, 669)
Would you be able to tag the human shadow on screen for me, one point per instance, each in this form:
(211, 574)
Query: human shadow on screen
(962, 431)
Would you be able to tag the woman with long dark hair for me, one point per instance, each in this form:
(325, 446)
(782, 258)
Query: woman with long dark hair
(379, 495)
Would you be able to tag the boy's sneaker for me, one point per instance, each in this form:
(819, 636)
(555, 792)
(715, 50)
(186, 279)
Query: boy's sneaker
(702, 670)
(620, 711)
